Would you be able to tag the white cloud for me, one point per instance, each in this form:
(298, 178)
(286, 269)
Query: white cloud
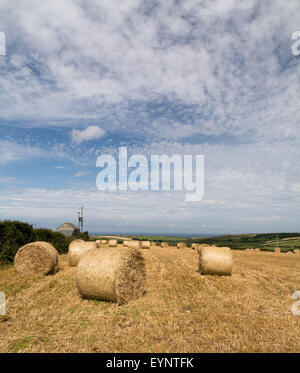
(82, 173)
(295, 187)
(11, 152)
(229, 59)
(218, 69)
(90, 133)
(248, 188)
(139, 211)
(2, 44)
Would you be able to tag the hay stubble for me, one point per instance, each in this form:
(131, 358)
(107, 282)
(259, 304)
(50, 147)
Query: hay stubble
(181, 311)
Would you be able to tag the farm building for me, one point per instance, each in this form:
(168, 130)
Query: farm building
(68, 229)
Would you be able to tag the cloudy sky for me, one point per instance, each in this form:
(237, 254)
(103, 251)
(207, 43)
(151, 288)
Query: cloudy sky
(218, 78)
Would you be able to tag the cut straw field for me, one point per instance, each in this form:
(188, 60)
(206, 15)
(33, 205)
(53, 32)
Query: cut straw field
(181, 310)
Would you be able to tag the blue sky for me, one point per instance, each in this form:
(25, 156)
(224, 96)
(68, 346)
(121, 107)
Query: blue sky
(217, 78)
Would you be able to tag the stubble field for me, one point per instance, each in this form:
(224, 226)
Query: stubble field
(181, 310)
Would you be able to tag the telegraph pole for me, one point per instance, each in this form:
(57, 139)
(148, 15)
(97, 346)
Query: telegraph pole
(80, 220)
(78, 213)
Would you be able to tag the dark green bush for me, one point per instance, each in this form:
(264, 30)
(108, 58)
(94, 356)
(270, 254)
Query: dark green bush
(84, 236)
(56, 239)
(13, 234)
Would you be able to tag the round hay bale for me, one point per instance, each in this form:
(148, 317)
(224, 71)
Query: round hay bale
(74, 242)
(112, 243)
(125, 243)
(98, 241)
(134, 244)
(164, 244)
(103, 242)
(145, 244)
(257, 249)
(215, 260)
(36, 257)
(277, 250)
(200, 246)
(77, 249)
(181, 245)
(195, 246)
(296, 251)
(116, 275)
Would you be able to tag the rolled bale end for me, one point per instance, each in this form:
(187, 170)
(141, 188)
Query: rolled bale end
(113, 243)
(215, 260)
(164, 244)
(289, 253)
(296, 252)
(134, 244)
(181, 245)
(77, 249)
(103, 242)
(36, 258)
(195, 246)
(125, 243)
(277, 250)
(112, 274)
(145, 244)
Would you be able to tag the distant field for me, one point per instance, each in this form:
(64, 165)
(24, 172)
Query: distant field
(181, 311)
(100, 237)
(159, 238)
(284, 244)
(266, 242)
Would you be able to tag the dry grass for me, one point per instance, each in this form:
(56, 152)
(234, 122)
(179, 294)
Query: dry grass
(181, 311)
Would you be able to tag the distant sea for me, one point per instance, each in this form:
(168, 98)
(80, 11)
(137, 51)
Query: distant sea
(185, 235)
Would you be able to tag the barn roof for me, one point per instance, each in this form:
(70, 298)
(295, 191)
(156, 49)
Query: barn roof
(67, 226)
